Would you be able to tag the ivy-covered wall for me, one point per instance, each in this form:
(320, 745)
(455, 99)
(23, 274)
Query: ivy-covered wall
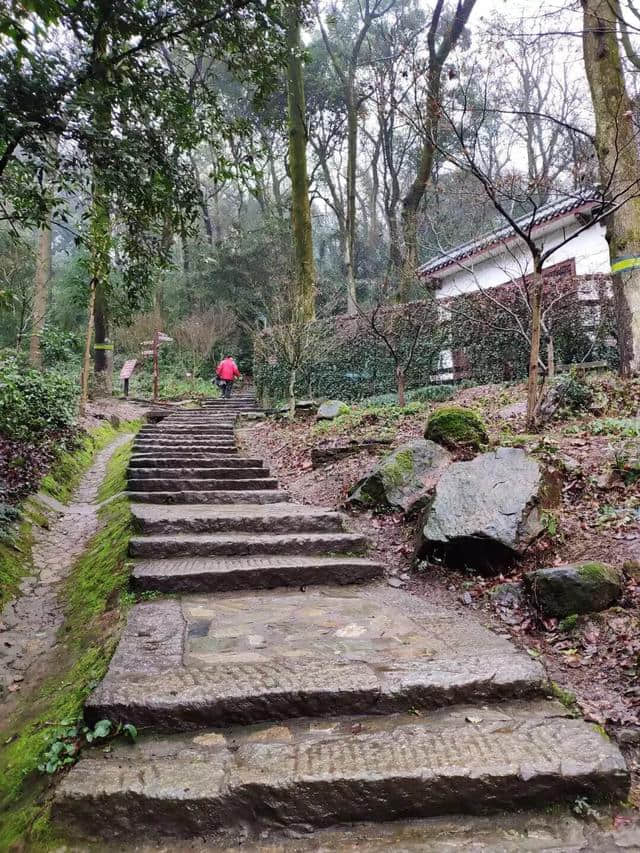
(350, 361)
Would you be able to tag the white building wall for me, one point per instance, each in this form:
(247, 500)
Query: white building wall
(589, 249)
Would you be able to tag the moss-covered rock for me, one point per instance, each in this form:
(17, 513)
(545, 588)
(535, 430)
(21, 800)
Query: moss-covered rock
(577, 588)
(404, 478)
(456, 426)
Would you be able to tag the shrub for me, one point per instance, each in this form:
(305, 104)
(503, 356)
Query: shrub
(34, 404)
(626, 427)
(456, 426)
(432, 393)
(573, 392)
(58, 346)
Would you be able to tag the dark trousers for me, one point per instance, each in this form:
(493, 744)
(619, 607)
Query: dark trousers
(227, 385)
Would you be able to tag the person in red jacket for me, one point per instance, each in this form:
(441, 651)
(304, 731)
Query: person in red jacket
(226, 372)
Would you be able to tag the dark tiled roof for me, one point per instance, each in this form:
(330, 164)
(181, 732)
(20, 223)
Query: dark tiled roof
(555, 210)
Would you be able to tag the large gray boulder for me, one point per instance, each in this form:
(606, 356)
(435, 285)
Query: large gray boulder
(486, 510)
(575, 588)
(330, 409)
(403, 479)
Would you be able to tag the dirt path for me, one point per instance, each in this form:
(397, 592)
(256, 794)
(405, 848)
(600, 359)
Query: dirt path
(29, 624)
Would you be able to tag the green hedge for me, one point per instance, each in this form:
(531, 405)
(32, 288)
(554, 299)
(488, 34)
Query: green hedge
(353, 363)
(350, 363)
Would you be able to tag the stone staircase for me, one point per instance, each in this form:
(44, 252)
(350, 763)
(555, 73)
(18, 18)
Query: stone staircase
(264, 703)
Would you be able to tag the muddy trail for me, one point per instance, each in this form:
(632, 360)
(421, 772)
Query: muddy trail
(29, 624)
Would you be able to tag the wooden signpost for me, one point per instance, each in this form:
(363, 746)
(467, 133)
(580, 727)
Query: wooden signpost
(158, 338)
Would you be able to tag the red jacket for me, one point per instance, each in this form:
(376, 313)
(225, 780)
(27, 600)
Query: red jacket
(227, 369)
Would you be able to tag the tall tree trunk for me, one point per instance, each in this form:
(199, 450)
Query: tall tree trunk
(411, 201)
(373, 196)
(300, 206)
(352, 157)
(619, 162)
(100, 240)
(40, 293)
(438, 55)
(204, 207)
(99, 268)
(395, 245)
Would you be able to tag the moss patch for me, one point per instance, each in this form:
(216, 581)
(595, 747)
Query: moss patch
(566, 698)
(456, 426)
(95, 598)
(67, 472)
(398, 467)
(597, 572)
(569, 623)
(115, 480)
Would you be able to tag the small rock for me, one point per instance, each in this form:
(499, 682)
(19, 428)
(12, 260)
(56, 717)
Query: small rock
(569, 464)
(514, 410)
(606, 480)
(575, 588)
(507, 595)
(114, 420)
(330, 409)
(466, 598)
(395, 582)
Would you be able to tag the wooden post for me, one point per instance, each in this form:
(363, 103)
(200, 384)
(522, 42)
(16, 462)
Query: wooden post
(156, 336)
(126, 387)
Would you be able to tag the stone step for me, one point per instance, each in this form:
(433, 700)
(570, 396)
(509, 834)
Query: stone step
(237, 544)
(221, 496)
(171, 429)
(257, 518)
(187, 440)
(208, 575)
(195, 432)
(232, 407)
(199, 473)
(248, 657)
(316, 773)
(181, 447)
(196, 484)
(171, 460)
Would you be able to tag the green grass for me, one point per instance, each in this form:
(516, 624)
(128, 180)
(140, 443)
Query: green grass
(67, 472)
(115, 480)
(96, 586)
(15, 548)
(16, 543)
(101, 574)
